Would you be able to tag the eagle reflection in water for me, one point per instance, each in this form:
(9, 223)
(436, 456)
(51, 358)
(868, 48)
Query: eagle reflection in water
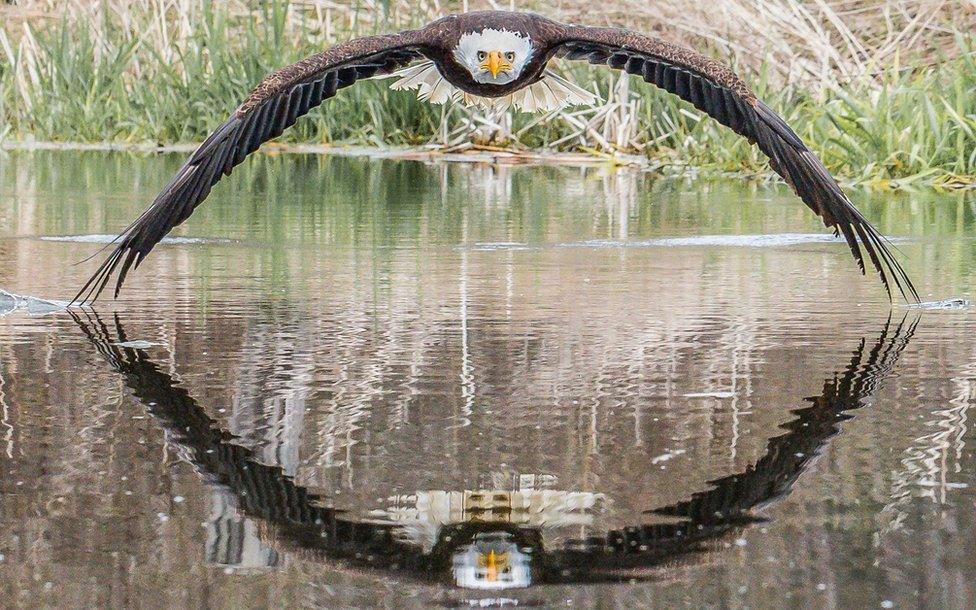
(493, 560)
(489, 548)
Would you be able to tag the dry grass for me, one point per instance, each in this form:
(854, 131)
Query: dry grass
(167, 70)
(817, 43)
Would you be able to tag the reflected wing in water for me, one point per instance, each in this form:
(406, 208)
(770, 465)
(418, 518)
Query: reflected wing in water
(731, 502)
(487, 554)
(261, 491)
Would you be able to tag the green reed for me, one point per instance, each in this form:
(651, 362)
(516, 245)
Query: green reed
(110, 82)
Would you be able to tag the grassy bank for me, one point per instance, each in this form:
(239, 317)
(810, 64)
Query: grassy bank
(168, 71)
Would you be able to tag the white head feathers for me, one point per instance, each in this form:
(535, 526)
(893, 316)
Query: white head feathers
(473, 46)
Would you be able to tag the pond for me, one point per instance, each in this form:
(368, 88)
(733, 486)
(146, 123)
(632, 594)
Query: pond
(354, 382)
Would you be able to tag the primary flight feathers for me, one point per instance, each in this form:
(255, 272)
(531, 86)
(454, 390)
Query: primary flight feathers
(503, 56)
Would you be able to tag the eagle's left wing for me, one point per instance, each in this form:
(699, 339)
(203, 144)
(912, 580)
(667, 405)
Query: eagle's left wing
(716, 90)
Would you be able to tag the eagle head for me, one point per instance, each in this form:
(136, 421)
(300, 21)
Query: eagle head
(494, 57)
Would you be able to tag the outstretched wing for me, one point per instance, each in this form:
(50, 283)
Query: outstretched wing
(271, 108)
(714, 89)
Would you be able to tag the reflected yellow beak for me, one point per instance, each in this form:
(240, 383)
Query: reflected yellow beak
(496, 64)
(494, 564)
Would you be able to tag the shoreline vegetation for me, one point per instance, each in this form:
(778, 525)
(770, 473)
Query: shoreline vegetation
(883, 90)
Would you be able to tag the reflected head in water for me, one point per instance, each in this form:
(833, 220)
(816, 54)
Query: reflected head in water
(491, 559)
(488, 549)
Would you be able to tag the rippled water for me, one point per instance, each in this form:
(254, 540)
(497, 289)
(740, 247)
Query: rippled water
(353, 383)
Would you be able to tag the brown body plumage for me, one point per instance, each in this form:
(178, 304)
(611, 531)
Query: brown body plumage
(282, 97)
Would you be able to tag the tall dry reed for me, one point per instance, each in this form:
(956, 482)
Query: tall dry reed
(884, 89)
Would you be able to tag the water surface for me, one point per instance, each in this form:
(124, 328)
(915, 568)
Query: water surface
(351, 383)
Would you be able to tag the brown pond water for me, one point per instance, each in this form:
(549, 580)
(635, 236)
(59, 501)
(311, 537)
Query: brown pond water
(357, 383)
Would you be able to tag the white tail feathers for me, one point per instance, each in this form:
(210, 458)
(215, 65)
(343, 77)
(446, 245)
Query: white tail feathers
(548, 94)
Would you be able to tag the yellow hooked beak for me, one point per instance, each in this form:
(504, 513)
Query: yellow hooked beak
(496, 64)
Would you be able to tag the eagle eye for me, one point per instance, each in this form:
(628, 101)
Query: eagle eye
(482, 55)
(510, 56)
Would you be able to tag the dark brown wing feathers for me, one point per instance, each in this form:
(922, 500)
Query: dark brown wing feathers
(714, 89)
(271, 108)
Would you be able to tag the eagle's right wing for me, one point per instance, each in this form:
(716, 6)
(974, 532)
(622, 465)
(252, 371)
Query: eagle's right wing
(272, 107)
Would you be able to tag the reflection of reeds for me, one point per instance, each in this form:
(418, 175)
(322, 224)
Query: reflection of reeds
(935, 457)
(372, 324)
(169, 70)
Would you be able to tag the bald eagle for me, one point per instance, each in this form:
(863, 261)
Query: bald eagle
(497, 58)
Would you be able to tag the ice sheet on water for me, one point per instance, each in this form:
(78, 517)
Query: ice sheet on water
(739, 241)
(137, 344)
(668, 455)
(955, 304)
(736, 241)
(105, 239)
(500, 245)
(10, 302)
(710, 395)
